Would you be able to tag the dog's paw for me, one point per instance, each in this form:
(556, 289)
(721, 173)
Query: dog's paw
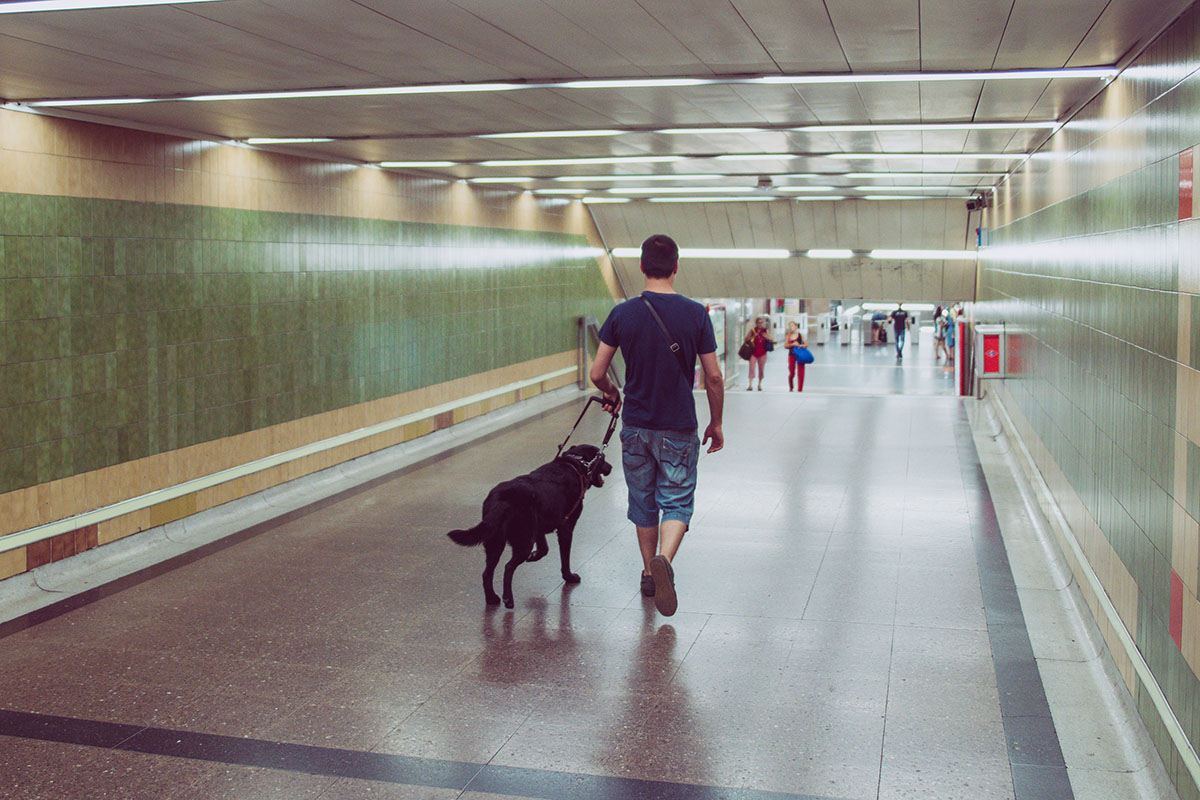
(493, 600)
(571, 577)
(508, 602)
(537, 555)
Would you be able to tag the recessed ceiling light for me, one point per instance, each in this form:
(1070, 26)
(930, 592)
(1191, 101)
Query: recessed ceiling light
(30, 6)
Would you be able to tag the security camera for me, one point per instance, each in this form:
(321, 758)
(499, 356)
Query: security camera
(765, 182)
(978, 202)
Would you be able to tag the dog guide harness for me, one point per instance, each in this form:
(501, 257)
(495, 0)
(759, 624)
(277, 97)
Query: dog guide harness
(586, 470)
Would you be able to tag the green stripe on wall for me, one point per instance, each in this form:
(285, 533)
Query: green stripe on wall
(129, 329)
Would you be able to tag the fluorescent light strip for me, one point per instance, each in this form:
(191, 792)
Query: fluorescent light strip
(32, 6)
(549, 134)
(912, 188)
(928, 126)
(703, 252)
(703, 131)
(935, 77)
(561, 191)
(873, 175)
(269, 140)
(829, 253)
(755, 156)
(916, 197)
(679, 189)
(418, 164)
(598, 200)
(804, 188)
(555, 162)
(947, 255)
(868, 156)
(691, 176)
(630, 83)
(498, 180)
(747, 199)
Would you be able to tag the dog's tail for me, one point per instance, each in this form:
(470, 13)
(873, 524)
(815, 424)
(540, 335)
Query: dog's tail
(491, 526)
(508, 509)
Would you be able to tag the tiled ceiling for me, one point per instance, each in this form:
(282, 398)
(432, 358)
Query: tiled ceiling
(237, 46)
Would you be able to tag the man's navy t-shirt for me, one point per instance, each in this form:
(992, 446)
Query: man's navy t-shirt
(657, 395)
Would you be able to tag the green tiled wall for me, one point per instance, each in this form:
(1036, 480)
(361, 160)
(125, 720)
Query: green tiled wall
(1088, 288)
(128, 329)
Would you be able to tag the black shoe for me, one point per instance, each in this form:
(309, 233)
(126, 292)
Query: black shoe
(647, 586)
(664, 585)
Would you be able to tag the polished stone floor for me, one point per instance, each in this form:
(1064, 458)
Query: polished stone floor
(848, 628)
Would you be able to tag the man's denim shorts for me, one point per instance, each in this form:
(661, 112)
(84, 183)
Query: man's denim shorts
(660, 473)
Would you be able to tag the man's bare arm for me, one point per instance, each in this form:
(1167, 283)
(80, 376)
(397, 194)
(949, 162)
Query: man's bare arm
(599, 376)
(714, 387)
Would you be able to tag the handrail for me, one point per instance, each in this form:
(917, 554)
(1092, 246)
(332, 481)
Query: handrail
(50, 529)
(589, 329)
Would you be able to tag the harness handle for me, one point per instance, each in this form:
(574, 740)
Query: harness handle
(612, 426)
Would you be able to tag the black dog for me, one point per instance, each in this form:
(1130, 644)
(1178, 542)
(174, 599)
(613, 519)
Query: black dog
(520, 512)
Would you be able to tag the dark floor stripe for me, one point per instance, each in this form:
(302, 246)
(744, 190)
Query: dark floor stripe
(1034, 752)
(360, 765)
(69, 604)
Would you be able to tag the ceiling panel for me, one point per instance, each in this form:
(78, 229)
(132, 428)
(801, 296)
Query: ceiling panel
(961, 34)
(797, 34)
(878, 37)
(1041, 35)
(1124, 25)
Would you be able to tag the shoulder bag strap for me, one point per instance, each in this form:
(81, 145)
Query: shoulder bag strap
(671, 343)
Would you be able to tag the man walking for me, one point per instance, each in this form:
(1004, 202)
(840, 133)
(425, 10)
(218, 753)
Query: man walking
(659, 445)
(900, 323)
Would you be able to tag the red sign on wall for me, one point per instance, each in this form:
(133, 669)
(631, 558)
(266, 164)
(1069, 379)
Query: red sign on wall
(991, 353)
(1185, 184)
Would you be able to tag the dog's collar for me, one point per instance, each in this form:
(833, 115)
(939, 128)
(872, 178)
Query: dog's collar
(581, 468)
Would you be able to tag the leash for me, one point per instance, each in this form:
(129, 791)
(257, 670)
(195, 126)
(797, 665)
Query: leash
(587, 473)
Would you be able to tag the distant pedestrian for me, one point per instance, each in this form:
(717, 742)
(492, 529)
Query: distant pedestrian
(951, 334)
(939, 332)
(794, 338)
(900, 322)
(757, 338)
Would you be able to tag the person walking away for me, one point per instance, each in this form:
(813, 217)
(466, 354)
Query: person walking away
(758, 337)
(794, 338)
(659, 445)
(951, 333)
(900, 322)
(939, 333)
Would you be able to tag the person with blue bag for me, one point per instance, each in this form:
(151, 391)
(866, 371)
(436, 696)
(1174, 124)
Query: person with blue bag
(798, 355)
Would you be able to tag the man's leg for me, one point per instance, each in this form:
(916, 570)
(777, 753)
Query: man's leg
(648, 544)
(670, 537)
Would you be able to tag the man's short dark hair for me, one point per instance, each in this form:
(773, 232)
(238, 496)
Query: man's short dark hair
(660, 256)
